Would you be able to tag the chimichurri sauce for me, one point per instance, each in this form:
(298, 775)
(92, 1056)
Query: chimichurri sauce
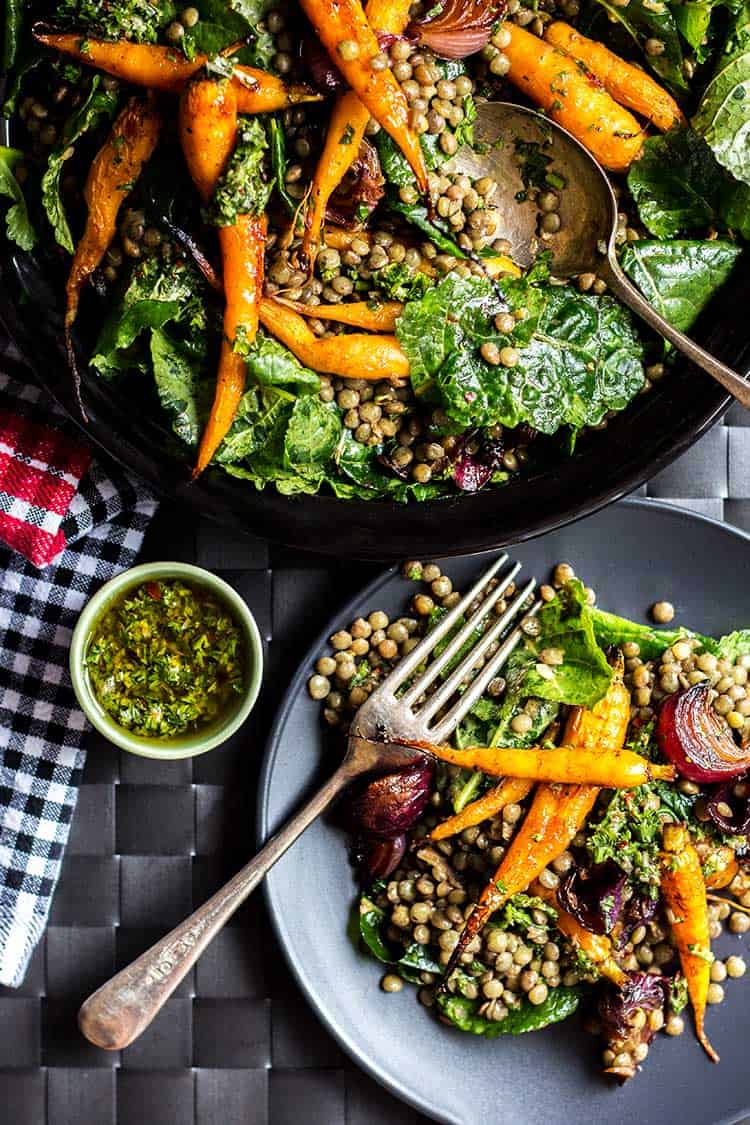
(166, 659)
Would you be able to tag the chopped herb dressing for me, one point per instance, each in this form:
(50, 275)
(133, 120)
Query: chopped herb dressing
(166, 659)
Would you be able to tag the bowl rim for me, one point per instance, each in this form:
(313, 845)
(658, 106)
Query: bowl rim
(178, 748)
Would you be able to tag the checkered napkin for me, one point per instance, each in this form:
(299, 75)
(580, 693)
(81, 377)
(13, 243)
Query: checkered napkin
(71, 523)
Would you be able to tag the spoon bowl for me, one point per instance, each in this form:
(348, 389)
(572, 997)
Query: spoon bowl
(507, 138)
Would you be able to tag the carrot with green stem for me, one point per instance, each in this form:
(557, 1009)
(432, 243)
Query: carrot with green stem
(166, 69)
(615, 768)
(628, 84)
(508, 792)
(344, 31)
(208, 134)
(352, 356)
(557, 812)
(346, 131)
(113, 172)
(573, 98)
(371, 315)
(684, 894)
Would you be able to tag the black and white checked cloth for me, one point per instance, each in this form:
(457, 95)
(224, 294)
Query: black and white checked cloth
(41, 727)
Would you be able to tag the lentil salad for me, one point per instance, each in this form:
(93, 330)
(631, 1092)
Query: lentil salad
(595, 929)
(288, 406)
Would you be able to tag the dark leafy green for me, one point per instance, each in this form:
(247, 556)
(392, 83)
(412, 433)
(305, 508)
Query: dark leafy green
(680, 277)
(734, 645)
(184, 391)
(243, 188)
(585, 674)
(13, 10)
(271, 364)
(641, 20)
(436, 230)
(224, 23)
(579, 356)
(561, 1002)
(98, 107)
(723, 116)
(679, 187)
(367, 479)
(17, 223)
(155, 295)
(409, 962)
(279, 161)
(613, 630)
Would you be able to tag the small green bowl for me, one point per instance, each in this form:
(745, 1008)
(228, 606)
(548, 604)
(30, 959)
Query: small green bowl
(213, 734)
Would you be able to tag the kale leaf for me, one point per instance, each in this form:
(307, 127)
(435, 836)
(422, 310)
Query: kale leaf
(183, 389)
(680, 277)
(584, 675)
(464, 1014)
(99, 107)
(17, 223)
(222, 24)
(410, 961)
(279, 161)
(11, 39)
(579, 355)
(366, 478)
(723, 116)
(155, 295)
(610, 629)
(271, 364)
(642, 20)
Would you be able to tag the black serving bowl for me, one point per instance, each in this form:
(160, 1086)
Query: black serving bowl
(607, 464)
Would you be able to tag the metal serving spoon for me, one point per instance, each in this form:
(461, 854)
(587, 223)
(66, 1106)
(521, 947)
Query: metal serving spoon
(585, 242)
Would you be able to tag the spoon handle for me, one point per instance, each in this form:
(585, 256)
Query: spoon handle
(623, 288)
(121, 1009)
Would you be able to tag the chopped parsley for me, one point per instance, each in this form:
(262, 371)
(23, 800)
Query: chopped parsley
(165, 659)
(243, 188)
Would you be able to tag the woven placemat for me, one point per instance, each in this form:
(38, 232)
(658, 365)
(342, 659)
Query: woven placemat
(237, 1045)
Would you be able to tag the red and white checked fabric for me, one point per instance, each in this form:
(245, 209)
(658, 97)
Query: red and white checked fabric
(69, 521)
(40, 470)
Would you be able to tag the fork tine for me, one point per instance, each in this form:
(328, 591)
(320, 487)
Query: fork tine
(436, 666)
(449, 722)
(408, 665)
(439, 698)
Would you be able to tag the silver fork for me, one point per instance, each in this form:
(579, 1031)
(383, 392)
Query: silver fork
(121, 1009)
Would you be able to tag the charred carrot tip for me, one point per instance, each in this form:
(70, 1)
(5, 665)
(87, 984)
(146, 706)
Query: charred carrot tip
(705, 1044)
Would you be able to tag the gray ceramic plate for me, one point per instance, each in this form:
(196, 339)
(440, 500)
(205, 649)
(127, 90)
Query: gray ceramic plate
(633, 554)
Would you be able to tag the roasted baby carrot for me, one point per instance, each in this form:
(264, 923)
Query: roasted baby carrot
(353, 356)
(114, 170)
(370, 315)
(352, 44)
(722, 867)
(684, 894)
(572, 765)
(346, 130)
(628, 84)
(556, 812)
(576, 100)
(167, 69)
(208, 132)
(596, 946)
(508, 792)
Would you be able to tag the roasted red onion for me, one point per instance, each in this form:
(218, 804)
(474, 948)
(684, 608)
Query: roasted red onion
(459, 29)
(729, 806)
(693, 737)
(362, 189)
(617, 1007)
(478, 457)
(593, 895)
(379, 858)
(326, 77)
(391, 804)
(639, 909)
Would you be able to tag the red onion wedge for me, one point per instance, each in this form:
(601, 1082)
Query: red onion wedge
(460, 28)
(693, 737)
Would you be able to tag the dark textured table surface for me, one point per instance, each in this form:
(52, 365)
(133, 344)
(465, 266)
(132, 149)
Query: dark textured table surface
(237, 1045)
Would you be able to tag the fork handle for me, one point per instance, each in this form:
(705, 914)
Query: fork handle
(117, 1013)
